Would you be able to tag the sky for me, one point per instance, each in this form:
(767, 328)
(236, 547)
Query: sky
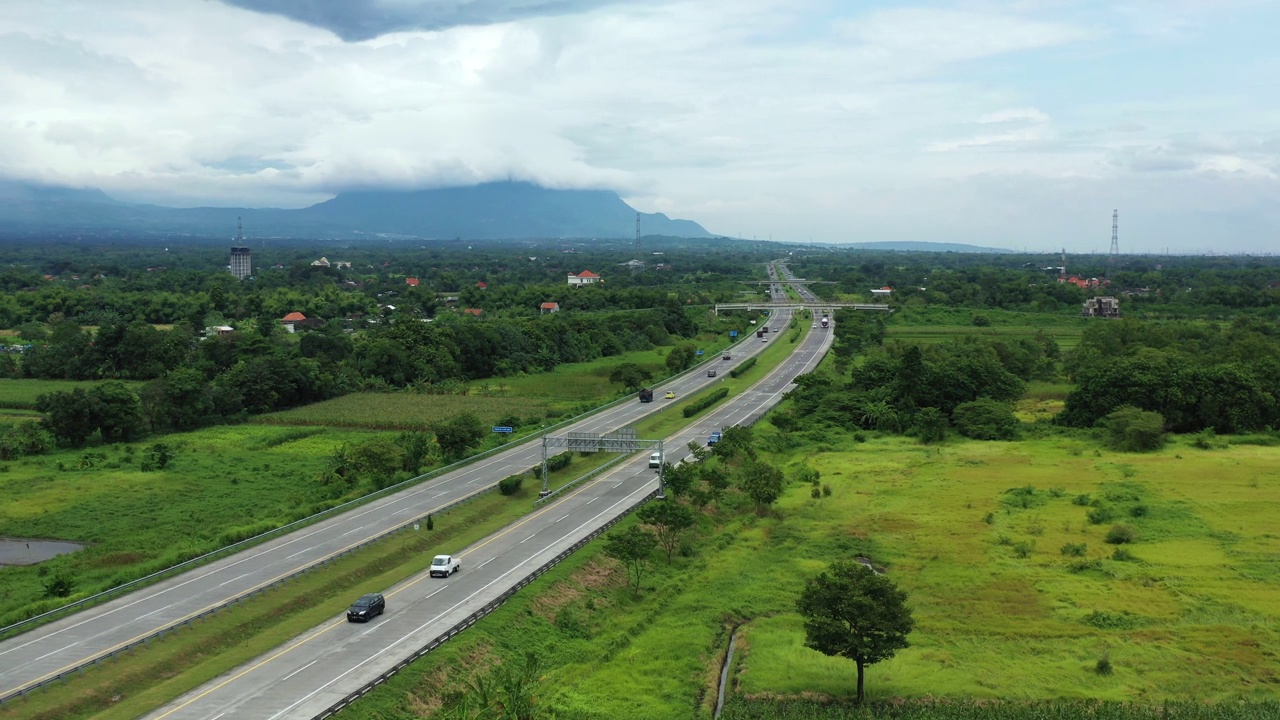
(1018, 124)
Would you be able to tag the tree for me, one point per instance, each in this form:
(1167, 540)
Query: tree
(630, 375)
(852, 612)
(680, 358)
(762, 483)
(985, 419)
(458, 433)
(669, 520)
(931, 425)
(1135, 430)
(632, 547)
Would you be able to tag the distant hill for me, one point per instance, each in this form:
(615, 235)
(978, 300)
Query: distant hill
(498, 210)
(923, 247)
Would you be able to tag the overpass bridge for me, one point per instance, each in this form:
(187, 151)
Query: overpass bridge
(807, 305)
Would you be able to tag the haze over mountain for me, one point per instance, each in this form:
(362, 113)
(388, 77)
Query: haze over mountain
(496, 210)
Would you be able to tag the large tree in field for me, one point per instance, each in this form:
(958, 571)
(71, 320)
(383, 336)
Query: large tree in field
(852, 612)
(669, 520)
(632, 547)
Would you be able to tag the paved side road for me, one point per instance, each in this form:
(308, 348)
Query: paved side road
(59, 647)
(318, 668)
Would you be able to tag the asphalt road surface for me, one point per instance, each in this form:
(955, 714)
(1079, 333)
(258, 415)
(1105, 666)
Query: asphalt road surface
(58, 647)
(320, 667)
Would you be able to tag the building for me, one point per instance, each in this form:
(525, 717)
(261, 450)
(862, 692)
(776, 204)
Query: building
(586, 277)
(549, 307)
(475, 312)
(411, 282)
(481, 285)
(293, 320)
(241, 261)
(1107, 307)
(322, 262)
(883, 292)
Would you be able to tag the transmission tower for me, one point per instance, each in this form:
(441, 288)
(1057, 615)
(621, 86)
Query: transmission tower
(1115, 237)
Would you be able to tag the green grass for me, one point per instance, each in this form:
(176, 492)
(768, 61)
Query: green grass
(571, 384)
(22, 394)
(406, 411)
(1194, 618)
(225, 481)
(1067, 336)
(184, 660)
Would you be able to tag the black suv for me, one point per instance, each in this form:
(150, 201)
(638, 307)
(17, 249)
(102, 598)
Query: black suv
(366, 607)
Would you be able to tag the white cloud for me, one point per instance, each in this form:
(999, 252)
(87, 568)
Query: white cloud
(794, 118)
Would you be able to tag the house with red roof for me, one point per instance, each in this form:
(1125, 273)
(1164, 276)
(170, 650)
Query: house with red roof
(482, 286)
(549, 307)
(473, 311)
(586, 277)
(411, 282)
(292, 320)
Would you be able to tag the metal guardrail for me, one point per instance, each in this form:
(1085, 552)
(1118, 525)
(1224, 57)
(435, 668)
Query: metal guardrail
(477, 615)
(106, 595)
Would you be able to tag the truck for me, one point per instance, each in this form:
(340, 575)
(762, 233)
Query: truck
(759, 333)
(646, 395)
(445, 565)
(825, 321)
(655, 460)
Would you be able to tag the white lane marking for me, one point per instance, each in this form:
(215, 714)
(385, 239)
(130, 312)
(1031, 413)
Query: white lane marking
(564, 517)
(55, 652)
(351, 531)
(153, 612)
(295, 672)
(592, 500)
(433, 497)
(486, 562)
(236, 578)
(298, 553)
(527, 539)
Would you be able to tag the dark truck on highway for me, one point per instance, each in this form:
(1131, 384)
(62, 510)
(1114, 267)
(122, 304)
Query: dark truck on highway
(646, 395)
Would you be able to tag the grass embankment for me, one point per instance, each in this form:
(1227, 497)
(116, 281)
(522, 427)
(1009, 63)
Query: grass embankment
(184, 660)
(406, 411)
(1190, 614)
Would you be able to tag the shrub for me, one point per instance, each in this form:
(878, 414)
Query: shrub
(1023, 549)
(985, 419)
(1138, 511)
(1101, 514)
(705, 402)
(1082, 499)
(815, 492)
(1103, 667)
(736, 372)
(559, 462)
(1123, 555)
(1121, 534)
(1074, 549)
(826, 490)
(860, 437)
(510, 485)
(981, 321)
(990, 518)
(1080, 566)
(1133, 430)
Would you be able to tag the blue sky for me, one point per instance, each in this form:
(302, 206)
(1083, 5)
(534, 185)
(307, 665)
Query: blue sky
(1009, 124)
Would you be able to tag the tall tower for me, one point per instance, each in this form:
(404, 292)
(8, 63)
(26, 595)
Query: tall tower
(637, 236)
(1115, 237)
(241, 256)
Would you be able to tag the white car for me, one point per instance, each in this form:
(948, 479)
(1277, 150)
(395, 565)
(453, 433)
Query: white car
(445, 565)
(655, 460)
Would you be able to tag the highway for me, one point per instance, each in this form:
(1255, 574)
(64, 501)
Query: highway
(304, 677)
(312, 671)
(59, 647)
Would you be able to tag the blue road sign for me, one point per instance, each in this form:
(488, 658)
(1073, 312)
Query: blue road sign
(733, 333)
(502, 429)
(699, 352)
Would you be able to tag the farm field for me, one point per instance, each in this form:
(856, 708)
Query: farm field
(405, 411)
(22, 394)
(1188, 614)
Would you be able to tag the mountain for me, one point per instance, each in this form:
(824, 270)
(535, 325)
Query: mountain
(497, 210)
(911, 246)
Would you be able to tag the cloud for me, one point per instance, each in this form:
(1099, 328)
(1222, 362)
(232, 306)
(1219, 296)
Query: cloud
(796, 118)
(355, 20)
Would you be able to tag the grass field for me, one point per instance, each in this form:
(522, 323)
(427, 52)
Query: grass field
(1191, 616)
(571, 384)
(131, 685)
(1067, 336)
(223, 482)
(22, 394)
(406, 411)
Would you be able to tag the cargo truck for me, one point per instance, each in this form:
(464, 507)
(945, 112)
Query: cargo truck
(646, 395)
(825, 321)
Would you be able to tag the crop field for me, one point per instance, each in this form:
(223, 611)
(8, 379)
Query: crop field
(984, 537)
(223, 483)
(571, 384)
(22, 394)
(1067, 336)
(406, 411)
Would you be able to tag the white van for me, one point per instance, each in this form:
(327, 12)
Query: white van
(655, 460)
